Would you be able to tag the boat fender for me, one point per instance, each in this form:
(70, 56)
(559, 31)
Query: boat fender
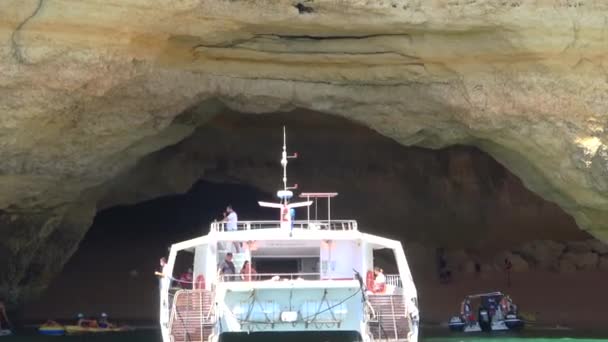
(199, 284)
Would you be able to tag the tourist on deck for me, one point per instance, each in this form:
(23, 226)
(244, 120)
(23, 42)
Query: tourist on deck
(248, 273)
(292, 214)
(231, 218)
(186, 279)
(227, 269)
(164, 277)
(379, 281)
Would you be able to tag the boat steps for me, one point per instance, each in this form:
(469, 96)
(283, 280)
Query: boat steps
(391, 322)
(192, 317)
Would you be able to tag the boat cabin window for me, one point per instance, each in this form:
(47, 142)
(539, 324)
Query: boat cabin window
(278, 266)
(389, 281)
(305, 268)
(183, 272)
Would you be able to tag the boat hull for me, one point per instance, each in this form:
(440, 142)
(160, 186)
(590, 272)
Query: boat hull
(54, 331)
(75, 329)
(294, 306)
(457, 324)
(300, 336)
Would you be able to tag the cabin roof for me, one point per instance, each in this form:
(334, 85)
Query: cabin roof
(278, 234)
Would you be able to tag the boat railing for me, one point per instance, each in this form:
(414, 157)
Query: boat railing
(244, 277)
(304, 224)
(394, 280)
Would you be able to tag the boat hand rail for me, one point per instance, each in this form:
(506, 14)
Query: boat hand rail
(304, 224)
(394, 280)
(280, 277)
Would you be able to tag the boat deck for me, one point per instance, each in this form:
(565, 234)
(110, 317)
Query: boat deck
(193, 317)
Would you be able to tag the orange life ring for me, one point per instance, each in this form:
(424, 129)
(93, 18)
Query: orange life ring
(369, 280)
(200, 282)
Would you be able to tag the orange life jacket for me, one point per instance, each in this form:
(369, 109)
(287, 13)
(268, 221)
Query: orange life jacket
(199, 284)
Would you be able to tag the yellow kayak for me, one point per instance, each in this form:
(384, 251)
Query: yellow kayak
(76, 329)
(51, 328)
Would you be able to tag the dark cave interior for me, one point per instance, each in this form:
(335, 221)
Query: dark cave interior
(458, 194)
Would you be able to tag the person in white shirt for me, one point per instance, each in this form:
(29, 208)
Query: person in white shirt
(165, 278)
(380, 281)
(231, 219)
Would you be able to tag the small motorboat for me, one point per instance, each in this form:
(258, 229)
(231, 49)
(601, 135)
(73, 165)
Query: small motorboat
(5, 332)
(496, 312)
(51, 328)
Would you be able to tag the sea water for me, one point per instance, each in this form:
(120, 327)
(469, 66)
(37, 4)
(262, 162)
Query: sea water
(153, 335)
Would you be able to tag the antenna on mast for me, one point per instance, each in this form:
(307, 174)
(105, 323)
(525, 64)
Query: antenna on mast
(284, 159)
(285, 194)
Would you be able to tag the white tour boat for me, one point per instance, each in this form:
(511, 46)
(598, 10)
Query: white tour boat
(314, 276)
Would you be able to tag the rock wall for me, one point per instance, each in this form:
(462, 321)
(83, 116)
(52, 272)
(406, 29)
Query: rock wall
(89, 88)
(530, 256)
(458, 197)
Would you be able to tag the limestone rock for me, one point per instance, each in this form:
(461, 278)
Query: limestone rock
(457, 260)
(581, 261)
(469, 267)
(542, 254)
(578, 247)
(518, 263)
(88, 91)
(598, 247)
(567, 265)
(603, 264)
(421, 258)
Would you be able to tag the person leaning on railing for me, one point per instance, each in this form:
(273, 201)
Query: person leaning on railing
(248, 273)
(379, 281)
(231, 219)
(227, 269)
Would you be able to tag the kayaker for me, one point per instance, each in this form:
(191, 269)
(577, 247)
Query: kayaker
(103, 321)
(86, 322)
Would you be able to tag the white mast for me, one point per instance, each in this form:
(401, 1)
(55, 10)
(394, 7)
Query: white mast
(284, 161)
(285, 194)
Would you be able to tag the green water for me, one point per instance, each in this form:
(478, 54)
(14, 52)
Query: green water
(435, 336)
(137, 336)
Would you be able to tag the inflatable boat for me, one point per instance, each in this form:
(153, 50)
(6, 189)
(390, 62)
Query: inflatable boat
(495, 312)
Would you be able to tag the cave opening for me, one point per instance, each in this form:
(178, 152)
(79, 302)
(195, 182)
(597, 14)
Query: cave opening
(458, 198)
